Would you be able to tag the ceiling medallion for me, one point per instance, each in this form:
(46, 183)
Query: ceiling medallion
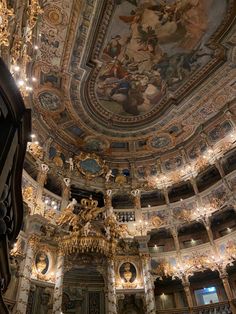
(160, 141)
(90, 165)
(53, 15)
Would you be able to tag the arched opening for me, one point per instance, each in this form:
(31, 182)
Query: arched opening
(83, 291)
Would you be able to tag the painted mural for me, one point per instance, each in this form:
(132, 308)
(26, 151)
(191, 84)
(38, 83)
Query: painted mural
(152, 47)
(49, 101)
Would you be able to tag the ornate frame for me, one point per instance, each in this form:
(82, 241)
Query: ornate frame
(90, 156)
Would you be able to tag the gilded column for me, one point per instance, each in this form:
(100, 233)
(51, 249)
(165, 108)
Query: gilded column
(111, 288)
(25, 275)
(58, 289)
(148, 285)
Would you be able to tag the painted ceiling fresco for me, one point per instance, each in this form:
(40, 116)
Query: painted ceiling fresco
(134, 80)
(152, 48)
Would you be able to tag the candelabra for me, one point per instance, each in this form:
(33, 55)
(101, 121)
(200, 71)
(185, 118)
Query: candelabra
(203, 213)
(219, 262)
(163, 180)
(141, 227)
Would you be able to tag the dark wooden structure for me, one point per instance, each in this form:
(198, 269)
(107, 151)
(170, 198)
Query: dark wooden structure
(15, 125)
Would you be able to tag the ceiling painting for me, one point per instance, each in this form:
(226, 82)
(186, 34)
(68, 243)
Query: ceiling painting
(49, 101)
(134, 80)
(95, 144)
(151, 49)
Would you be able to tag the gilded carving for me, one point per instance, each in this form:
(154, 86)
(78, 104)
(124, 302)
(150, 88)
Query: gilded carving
(90, 165)
(35, 150)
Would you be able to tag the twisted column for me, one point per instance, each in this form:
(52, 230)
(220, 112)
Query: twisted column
(25, 275)
(148, 285)
(58, 289)
(111, 288)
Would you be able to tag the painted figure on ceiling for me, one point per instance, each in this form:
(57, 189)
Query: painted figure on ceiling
(152, 47)
(113, 48)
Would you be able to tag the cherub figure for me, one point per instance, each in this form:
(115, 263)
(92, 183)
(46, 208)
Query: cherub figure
(71, 163)
(86, 229)
(108, 175)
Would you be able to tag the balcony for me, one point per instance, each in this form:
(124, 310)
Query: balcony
(216, 308)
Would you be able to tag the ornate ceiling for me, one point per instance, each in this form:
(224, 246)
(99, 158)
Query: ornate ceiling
(134, 80)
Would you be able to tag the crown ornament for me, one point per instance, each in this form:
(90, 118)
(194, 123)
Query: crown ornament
(89, 203)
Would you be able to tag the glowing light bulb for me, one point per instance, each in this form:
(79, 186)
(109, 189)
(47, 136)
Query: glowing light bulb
(21, 83)
(16, 68)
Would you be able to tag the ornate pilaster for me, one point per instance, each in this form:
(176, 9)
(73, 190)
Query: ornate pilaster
(207, 224)
(174, 233)
(148, 285)
(166, 195)
(108, 199)
(219, 166)
(25, 275)
(188, 294)
(228, 291)
(58, 290)
(111, 288)
(65, 192)
(137, 204)
(41, 179)
(136, 198)
(42, 174)
(194, 185)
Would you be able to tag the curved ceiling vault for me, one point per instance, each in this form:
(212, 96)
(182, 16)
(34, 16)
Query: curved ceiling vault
(127, 76)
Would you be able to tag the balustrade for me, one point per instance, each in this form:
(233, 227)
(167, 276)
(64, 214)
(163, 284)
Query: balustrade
(125, 216)
(215, 308)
